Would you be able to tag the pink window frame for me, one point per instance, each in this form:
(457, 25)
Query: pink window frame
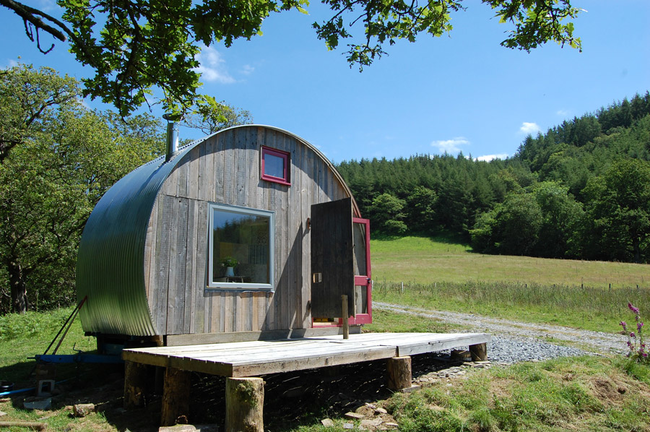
(286, 178)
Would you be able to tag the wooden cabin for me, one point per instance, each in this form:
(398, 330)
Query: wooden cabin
(249, 233)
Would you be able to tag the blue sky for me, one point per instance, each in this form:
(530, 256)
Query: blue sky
(460, 92)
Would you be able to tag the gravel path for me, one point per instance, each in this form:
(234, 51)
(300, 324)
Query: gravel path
(514, 341)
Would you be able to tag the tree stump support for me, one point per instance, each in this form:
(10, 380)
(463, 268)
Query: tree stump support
(399, 373)
(478, 352)
(244, 405)
(176, 397)
(136, 384)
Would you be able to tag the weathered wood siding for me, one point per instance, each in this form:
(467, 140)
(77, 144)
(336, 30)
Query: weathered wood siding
(226, 169)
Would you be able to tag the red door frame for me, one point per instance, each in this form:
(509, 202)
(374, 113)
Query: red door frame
(364, 280)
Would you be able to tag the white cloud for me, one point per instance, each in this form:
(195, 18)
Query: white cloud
(563, 113)
(488, 158)
(529, 128)
(450, 146)
(212, 68)
(247, 70)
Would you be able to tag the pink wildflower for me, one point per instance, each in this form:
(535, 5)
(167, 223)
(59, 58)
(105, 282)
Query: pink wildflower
(632, 308)
(632, 335)
(623, 324)
(639, 325)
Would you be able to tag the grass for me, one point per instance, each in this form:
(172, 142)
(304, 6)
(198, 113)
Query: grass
(588, 393)
(23, 336)
(542, 291)
(427, 261)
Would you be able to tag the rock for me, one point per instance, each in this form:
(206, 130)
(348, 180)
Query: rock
(44, 404)
(82, 410)
(371, 424)
(348, 426)
(177, 428)
(380, 411)
(327, 422)
(354, 416)
(391, 425)
(411, 389)
(2, 413)
(189, 428)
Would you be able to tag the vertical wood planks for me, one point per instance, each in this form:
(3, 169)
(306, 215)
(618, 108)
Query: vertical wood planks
(226, 169)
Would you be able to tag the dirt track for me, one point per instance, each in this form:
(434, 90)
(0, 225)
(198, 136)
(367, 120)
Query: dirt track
(585, 339)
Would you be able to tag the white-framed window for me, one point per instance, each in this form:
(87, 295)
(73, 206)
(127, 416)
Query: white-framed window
(241, 248)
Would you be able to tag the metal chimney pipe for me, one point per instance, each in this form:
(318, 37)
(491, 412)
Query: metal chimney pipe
(172, 135)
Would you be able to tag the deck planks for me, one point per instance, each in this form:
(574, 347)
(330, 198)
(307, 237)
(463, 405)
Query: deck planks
(245, 359)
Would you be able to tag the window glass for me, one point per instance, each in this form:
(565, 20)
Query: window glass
(241, 247)
(275, 166)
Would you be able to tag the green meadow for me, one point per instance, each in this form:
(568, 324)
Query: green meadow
(428, 261)
(447, 276)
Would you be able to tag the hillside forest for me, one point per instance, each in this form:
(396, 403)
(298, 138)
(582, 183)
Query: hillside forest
(579, 191)
(582, 190)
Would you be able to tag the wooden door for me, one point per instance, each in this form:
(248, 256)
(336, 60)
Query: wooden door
(332, 258)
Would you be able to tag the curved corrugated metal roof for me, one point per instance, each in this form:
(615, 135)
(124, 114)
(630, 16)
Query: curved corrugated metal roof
(110, 264)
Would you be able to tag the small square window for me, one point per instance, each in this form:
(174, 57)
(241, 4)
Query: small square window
(276, 166)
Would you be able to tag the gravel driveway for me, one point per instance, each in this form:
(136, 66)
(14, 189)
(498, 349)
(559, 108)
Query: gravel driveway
(514, 341)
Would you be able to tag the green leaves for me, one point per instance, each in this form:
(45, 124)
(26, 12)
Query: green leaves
(138, 46)
(63, 159)
(537, 22)
(210, 116)
(386, 21)
(619, 206)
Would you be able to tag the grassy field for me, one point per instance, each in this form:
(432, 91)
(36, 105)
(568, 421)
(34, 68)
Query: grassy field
(426, 261)
(445, 276)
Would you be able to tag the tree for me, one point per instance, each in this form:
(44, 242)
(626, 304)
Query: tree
(211, 116)
(511, 228)
(67, 158)
(136, 45)
(619, 208)
(387, 214)
(29, 100)
(561, 216)
(421, 204)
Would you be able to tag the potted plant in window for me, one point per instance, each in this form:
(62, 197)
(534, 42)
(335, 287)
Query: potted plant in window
(229, 263)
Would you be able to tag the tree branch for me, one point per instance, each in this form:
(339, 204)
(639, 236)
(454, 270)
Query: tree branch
(31, 16)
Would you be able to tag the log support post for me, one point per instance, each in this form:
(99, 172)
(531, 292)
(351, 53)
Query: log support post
(176, 397)
(399, 373)
(478, 352)
(244, 404)
(136, 384)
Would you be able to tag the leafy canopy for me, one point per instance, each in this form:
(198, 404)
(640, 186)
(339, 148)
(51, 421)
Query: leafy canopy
(136, 46)
(63, 159)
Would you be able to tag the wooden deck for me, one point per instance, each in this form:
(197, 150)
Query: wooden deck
(249, 359)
